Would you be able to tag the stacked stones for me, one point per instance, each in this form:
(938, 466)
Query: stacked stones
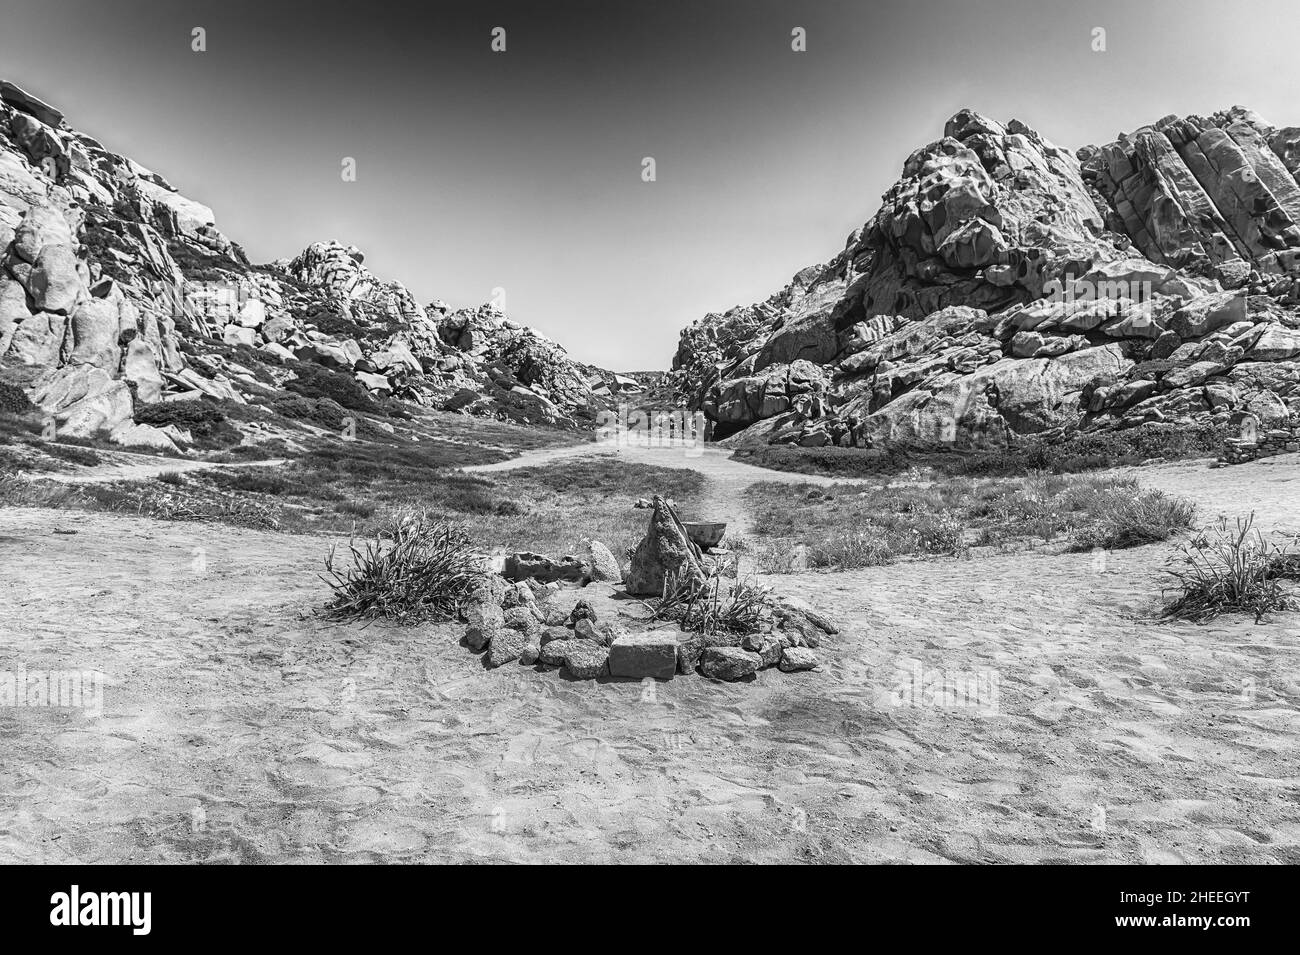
(1280, 440)
(523, 620)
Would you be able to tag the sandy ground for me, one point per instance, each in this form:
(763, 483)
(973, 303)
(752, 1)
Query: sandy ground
(237, 728)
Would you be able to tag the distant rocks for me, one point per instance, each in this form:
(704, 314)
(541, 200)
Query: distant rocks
(90, 240)
(1008, 288)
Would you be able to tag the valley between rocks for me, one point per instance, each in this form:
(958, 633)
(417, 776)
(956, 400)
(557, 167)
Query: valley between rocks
(239, 728)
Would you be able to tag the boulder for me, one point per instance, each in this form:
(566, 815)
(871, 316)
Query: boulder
(486, 620)
(38, 340)
(640, 655)
(1276, 343)
(20, 99)
(140, 367)
(666, 552)
(602, 563)
(797, 658)
(583, 659)
(55, 282)
(134, 435)
(506, 646)
(95, 334)
(729, 663)
(41, 225)
(103, 411)
(690, 647)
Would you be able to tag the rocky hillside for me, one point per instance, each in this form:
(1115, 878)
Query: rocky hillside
(1007, 287)
(120, 293)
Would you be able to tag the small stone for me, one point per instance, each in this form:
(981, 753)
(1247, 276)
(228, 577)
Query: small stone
(584, 629)
(522, 619)
(506, 645)
(582, 611)
(729, 663)
(531, 651)
(797, 658)
(688, 653)
(556, 633)
(604, 565)
(770, 651)
(485, 620)
(553, 653)
(644, 654)
(585, 660)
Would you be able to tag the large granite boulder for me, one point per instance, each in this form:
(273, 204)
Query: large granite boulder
(665, 554)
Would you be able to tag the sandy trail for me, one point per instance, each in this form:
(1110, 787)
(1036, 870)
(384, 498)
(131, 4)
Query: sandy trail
(236, 727)
(124, 466)
(723, 496)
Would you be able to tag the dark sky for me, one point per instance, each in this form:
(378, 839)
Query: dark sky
(522, 170)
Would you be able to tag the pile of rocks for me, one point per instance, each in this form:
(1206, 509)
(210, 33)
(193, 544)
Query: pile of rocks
(1008, 288)
(1254, 444)
(584, 632)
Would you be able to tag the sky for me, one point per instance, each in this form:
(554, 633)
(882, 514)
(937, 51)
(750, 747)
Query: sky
(522, 170)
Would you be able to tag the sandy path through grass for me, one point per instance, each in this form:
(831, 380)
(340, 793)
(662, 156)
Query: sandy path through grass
(124, 466)
(723, 497)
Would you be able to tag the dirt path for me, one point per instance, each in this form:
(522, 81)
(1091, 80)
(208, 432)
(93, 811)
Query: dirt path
(124, 466)
(723, 496)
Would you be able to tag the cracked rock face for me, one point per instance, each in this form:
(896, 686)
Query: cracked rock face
(1007, 287)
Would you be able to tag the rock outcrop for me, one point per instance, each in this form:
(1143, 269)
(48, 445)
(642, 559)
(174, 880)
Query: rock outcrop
(1008, 288)
(104, 265)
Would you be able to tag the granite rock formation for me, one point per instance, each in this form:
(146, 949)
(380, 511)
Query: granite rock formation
(1007, 287)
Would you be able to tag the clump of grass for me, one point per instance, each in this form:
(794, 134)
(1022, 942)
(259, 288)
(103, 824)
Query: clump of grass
(864, 525)
(717, 606)
(1129, 521)
(425, 569)
(1223, 570)
(174, 478)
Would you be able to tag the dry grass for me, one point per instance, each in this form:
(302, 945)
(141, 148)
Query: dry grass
(848, 526)
(1232, 570)
(718, 606)
(423, 569)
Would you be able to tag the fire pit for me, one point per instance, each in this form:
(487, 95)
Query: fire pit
(705, 534)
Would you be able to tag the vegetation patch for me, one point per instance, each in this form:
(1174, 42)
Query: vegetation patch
(317, 381)
(1073, 455)
(202, 418)
(424, 569)
(1232, 569)
(845, 526)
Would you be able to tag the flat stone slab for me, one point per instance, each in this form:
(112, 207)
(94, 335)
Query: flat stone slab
(641, 655)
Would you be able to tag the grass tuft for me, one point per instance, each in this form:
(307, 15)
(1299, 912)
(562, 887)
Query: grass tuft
(424, 569)
(1223, 570)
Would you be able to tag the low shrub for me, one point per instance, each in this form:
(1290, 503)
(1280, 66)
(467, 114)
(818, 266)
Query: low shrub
(1127, 520)
(72, 454)
(1077, 453)
(317, 381)
(202, 418)
(1223, 570)
(322, 412)
(425, 569)
(13, 400)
